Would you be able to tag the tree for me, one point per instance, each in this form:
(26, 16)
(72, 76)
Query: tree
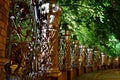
(93, 22)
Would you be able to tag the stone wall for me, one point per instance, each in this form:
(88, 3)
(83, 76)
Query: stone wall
(4, 10)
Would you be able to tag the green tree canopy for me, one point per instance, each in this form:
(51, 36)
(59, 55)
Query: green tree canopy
(93, 22)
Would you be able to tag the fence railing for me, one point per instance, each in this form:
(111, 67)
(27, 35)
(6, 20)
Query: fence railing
(44, 53)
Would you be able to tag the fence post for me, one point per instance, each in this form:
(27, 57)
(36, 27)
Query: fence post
(76, 57)
(4, 11)
(68, 56)
(52, 36)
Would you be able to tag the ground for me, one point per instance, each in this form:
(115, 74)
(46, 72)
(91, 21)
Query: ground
(113, 74)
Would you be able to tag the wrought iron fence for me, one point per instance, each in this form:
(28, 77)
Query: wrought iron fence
(31, 38)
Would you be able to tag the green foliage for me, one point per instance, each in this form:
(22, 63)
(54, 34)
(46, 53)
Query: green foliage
(93, 22)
